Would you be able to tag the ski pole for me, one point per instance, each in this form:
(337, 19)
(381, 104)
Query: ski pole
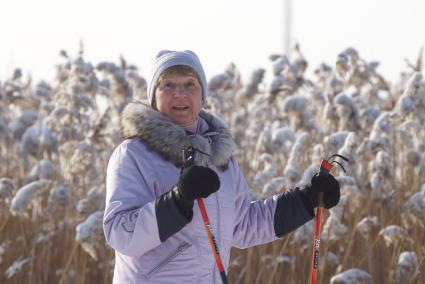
(325, 168)
(188, 160)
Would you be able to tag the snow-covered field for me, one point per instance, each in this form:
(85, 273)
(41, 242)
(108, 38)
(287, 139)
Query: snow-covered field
(56, 137)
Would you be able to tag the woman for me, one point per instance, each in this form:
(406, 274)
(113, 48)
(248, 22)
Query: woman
(152, 219)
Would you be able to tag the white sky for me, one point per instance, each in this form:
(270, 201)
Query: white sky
(245, 32)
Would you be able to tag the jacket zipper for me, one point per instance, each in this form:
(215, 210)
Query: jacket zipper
(179, 250)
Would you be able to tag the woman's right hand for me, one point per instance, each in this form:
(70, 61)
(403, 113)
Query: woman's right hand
(197, 182)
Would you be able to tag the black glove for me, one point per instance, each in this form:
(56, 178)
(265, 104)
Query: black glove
(195, 182)
(326, 184)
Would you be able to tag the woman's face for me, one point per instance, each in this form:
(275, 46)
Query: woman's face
(179, 97)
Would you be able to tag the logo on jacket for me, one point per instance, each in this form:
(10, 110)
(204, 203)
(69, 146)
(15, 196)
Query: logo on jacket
(129, 220)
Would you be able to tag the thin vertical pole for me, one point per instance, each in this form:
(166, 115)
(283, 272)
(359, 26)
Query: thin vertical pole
(288, 28)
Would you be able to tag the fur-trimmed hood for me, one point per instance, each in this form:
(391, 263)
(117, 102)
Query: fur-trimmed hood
(166, 138)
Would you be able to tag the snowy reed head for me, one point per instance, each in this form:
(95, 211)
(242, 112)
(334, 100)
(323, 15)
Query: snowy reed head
(394, 235)
(351, 276)
(407, 268)
(383, 163)
(282, 139)
(342, 64)
(385, 122)
(27, 194)
(346, 106)
(405, 106)
(275, 186)
(93, 201)
(308, 175)
(335, 140)
(7, 188)
(43, 90)
(318, 154)
(323, 72)
(334, 229)
(256, 78)
(58, 200)
(368, 115)
(16, 267)
(280, 63)
(413, 84)
(46, 169)
(90, 234)
(413, 157)
(349, 187)
(300, 148)
(269, 169)
(367, 225)
(414, 210)
(294, 104)
(37, 139)
(349, 148)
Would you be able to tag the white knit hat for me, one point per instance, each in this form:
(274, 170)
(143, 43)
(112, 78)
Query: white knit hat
(167, 58)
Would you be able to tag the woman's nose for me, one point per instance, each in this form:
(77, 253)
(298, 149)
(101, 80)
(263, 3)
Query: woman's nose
(179, 90)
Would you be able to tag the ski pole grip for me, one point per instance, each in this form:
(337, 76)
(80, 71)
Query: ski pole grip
(325, 168)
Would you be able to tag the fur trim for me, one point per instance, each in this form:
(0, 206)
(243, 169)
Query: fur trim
(166, 138)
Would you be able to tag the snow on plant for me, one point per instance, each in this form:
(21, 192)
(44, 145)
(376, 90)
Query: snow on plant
(394, 235)
(7, 187)
(3, 248)
(282, 140)
(252, 87)
(348, 112)
(333, 228)
(296, 109)
(350, 188)
(16, 267)
(352, 276)
(90, 234)
(93, 201)
(44, 169)
(335, 141)
(414, 210)
(269, 169)
(27, 195)
(275, 186)
(348, 150)
(367, 225)
(308, 175)
(58, 200)
(303, 237)
(407, 268)
(36, 140)
(293, 167)
(413, 97)
(381, 179)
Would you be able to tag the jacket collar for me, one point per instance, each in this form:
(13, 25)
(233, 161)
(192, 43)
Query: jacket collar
(167, 139)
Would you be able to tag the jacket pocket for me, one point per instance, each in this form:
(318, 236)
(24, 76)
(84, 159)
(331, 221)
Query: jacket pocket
(181, 248)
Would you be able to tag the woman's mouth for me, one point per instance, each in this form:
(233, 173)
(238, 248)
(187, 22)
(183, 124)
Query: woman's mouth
(180, 108)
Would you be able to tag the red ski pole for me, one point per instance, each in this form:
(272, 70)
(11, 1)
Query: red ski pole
(212, 240)
(325, 168)
(189, 158)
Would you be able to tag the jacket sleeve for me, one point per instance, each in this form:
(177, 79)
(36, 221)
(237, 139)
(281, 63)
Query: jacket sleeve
(255, 220)
(132, 210)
